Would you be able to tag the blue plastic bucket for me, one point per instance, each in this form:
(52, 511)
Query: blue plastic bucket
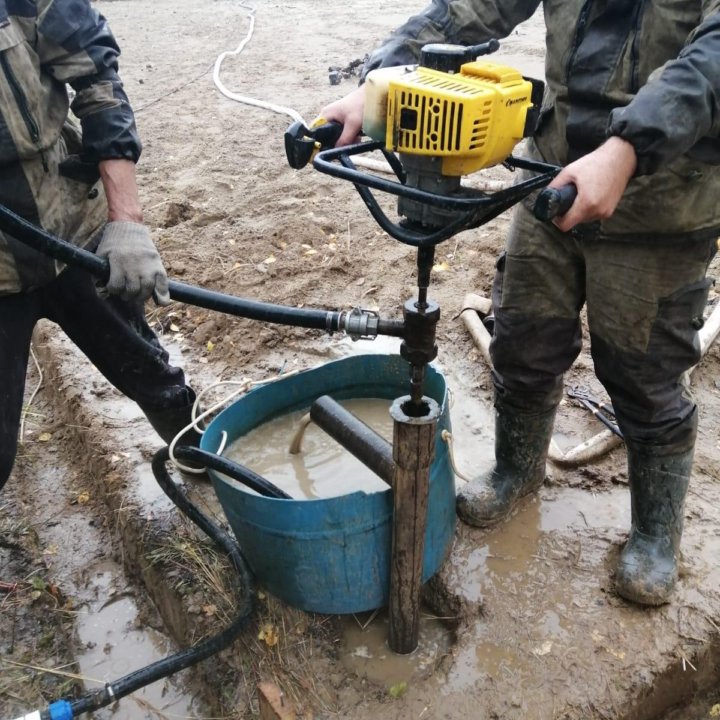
(331, 555)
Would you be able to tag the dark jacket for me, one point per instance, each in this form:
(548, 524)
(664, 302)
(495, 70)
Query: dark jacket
(645, 70)
(49, 162)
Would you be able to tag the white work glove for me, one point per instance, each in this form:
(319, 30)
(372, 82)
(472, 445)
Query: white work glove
(136, 270)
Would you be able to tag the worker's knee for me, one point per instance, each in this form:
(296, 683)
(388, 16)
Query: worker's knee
(648, 398)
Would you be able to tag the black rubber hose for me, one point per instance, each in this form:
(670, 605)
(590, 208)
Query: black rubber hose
(47, 244)
(234, 470)
(358, 438)
(185, 658)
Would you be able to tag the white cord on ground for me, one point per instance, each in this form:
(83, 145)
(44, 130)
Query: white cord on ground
(245, 99)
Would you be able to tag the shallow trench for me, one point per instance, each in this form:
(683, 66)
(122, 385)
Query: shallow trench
(681, 692)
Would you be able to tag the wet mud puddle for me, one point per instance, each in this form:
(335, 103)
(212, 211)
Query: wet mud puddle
(364, 650)
(113, 631)
(115, 641)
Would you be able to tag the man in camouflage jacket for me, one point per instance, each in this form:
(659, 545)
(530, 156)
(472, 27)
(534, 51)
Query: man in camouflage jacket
(77, 183)
(632, 110)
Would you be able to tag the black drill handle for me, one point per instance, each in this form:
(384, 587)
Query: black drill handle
(552, 202)
(301, 142)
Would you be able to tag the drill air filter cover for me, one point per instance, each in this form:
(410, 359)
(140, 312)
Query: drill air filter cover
(472, 119)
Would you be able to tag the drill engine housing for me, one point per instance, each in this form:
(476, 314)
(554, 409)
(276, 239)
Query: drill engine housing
(448, 124)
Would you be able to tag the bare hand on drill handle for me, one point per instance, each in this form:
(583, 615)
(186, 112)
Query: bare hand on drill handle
(348, 111)
(600, 178)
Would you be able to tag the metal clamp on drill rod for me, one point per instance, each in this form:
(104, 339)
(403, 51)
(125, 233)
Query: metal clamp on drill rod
(362, 324)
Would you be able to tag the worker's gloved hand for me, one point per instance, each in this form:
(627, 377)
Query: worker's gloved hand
(136, 270)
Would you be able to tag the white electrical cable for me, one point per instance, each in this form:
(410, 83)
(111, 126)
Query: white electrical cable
(244, 385)
(244, 98)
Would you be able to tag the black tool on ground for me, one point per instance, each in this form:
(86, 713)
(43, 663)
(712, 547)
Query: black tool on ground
(602, 411)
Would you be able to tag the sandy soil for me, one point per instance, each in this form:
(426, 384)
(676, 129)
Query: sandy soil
(536, 631)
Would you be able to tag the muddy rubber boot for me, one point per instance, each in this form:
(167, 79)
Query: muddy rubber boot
(168, 422)
(522, 439)
(647, 568)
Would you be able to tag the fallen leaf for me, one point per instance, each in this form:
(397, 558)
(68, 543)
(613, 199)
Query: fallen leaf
(174, 327)
(543, 648)
(44, 437)
(269, 634)
(83, 497)
(441, 267)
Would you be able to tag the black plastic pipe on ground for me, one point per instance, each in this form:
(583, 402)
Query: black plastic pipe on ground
(122, 687)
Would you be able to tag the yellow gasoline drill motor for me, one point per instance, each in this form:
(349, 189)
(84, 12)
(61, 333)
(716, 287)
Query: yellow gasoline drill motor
(449, 116)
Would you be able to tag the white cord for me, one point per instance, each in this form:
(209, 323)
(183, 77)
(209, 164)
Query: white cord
(244, 385)
(448, 438)
(244, 98)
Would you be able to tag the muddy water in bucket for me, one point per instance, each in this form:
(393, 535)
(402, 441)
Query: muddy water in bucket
(331, 553)
(322, 468)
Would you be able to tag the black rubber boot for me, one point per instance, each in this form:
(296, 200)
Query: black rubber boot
(522, 439)
(168, 422)
(647, 568)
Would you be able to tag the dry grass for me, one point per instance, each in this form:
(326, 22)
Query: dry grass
(285, 646)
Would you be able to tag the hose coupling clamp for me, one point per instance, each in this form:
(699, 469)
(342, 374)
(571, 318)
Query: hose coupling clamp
(362, 324)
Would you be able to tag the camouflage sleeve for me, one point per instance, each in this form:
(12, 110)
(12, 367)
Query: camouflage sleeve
(462, 22)
(76, 46)
(679, 107)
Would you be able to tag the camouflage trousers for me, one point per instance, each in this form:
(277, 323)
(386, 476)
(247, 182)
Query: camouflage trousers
(644, 303)
(112, 334)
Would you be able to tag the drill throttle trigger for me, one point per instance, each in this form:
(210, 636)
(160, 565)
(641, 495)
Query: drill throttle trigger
(552, 202)
(301, 142)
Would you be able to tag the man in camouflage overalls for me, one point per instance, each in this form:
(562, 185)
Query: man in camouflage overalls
(632, 109)
(79, 184)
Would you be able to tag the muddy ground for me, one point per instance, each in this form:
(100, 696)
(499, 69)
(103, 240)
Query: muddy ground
(98, 573)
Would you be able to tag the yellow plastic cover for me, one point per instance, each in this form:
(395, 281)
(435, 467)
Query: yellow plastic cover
(472, 119)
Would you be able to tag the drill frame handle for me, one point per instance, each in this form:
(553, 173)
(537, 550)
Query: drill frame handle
(302, 142)
(553, 202)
